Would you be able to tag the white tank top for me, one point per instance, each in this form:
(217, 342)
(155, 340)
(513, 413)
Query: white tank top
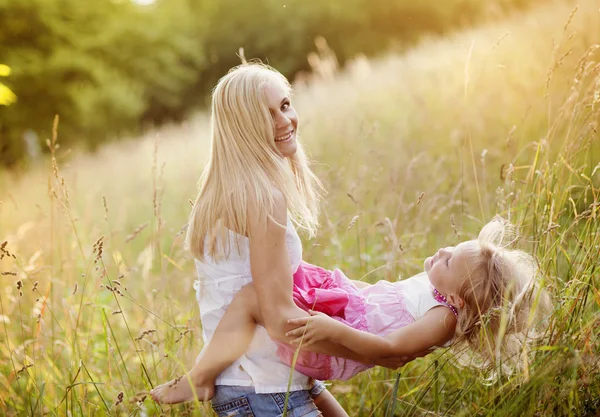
(218, 282)
(418, 295)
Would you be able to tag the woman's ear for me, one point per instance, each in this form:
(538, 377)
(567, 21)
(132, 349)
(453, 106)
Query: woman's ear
(455, 300)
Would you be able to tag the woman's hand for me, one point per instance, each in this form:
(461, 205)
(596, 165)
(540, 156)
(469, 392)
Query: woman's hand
(314, 328)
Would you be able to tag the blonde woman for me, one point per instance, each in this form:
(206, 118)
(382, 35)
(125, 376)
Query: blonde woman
(256, 189)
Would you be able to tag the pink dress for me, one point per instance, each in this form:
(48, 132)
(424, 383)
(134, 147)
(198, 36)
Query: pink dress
(379, 309)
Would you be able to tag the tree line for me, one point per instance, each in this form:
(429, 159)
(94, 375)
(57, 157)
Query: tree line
(114, 67)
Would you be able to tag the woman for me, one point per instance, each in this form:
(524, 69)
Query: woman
(254, 189)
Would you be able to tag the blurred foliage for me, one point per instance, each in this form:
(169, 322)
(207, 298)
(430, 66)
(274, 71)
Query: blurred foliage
(111, 67)
(7, 97)
(100, 65)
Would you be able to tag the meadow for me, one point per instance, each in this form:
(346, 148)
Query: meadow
(417, 151)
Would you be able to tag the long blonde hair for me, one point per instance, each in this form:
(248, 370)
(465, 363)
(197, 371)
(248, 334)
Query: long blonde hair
(245, 164)
(505, 305)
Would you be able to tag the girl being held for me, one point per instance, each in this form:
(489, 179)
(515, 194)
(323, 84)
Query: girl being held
(479, 294)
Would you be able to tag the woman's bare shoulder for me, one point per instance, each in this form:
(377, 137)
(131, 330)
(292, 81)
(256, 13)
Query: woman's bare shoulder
(267, 218)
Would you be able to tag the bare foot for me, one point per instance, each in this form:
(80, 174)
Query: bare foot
(179, 390)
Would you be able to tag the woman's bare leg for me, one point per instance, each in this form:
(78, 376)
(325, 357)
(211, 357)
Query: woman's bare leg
(230, 340)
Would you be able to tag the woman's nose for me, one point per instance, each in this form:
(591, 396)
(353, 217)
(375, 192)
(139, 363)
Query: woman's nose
(281, 120)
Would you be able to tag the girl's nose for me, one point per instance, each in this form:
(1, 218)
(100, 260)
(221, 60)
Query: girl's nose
(446, 251)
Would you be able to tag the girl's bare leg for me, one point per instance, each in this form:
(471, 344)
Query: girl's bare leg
(230, 340)
(328, 405)
(238, 324)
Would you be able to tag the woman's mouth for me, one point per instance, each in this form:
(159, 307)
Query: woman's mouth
(284, 137)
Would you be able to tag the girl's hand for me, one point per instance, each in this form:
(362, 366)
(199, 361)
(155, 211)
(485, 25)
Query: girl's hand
(392, 363)
(314, 328)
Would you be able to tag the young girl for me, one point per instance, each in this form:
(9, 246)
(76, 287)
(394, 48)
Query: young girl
(479, 293)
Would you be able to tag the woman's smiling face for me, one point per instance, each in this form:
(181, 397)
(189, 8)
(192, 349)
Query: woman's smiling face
(449, 267)
(284, 118)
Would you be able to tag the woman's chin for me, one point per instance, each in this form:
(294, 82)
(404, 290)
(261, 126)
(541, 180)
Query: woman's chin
(288, 149)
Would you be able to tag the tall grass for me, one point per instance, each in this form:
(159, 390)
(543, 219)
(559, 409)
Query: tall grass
(417, 151)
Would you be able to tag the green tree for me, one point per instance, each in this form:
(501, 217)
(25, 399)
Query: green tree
(100, 65)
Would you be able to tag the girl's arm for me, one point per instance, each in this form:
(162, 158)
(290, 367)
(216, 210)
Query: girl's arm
(435, 328)
(441, 322)
(360, 284)
(331, 348)
(335, 349)
(271, 269)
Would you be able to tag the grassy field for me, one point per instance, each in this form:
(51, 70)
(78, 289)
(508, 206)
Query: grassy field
(417, 151)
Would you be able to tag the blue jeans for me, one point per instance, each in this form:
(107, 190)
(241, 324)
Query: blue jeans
(233, 401)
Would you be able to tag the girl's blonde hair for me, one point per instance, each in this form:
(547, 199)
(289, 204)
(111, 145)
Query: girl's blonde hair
(244, 165)
(503, 299)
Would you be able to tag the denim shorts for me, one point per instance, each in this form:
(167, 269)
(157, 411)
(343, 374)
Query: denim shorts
(234, 401)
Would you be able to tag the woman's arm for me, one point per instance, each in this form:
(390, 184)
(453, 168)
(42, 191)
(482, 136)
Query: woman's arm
(271, 269)
(272, 278)
(435, 328)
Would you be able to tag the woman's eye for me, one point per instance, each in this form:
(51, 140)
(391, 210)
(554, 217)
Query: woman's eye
(285, 106)
(447, 261)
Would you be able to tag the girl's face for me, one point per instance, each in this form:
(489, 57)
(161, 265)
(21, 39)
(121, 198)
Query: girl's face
(448, 269)
(285, 118)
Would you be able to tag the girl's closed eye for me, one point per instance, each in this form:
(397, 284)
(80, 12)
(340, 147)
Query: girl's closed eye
(448, 261)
